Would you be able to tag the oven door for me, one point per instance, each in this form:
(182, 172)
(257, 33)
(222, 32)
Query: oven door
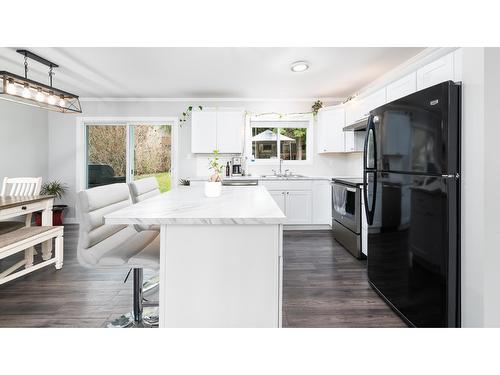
(346, 206)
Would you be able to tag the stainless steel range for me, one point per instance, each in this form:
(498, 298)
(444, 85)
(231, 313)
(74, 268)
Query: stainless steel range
(346, 211)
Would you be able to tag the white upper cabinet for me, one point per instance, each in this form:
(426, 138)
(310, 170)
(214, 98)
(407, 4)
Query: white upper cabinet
(217, 130)
(354, 110)
(402, 87)
(372, 101)
(458, 64)
(330, 122)
(436, 72)
(203, 131)
(230, 132)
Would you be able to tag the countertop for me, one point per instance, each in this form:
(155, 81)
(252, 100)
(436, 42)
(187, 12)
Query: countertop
(260, 178)
(188, 205)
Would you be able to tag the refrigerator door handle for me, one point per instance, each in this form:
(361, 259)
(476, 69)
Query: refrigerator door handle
(369, 211)
(370, 132)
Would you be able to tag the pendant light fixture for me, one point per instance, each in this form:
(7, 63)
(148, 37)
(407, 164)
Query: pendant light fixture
(20, 89)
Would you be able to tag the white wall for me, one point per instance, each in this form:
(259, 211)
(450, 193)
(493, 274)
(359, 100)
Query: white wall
(62, 139)
(472, 188)
(491, 172)
(23, 141)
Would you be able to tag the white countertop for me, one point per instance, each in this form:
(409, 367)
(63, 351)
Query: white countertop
(188, 205)
(260, 178)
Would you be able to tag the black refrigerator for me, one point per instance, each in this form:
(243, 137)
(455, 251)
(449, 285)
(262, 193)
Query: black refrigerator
(412, 201)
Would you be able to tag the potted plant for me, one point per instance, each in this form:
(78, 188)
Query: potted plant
(213, 187)
(58, 189)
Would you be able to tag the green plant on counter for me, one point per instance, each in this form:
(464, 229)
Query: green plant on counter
(56, 188)
(185, 115)
(216, 167)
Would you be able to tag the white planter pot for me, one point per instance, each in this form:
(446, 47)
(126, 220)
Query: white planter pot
(213, 189)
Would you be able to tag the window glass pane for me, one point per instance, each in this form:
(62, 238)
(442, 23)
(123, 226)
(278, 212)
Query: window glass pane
(293, 143)
(265, 143)
(106, 154)
(152, 153)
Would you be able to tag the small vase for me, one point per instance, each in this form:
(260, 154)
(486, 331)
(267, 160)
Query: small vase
(213, 189)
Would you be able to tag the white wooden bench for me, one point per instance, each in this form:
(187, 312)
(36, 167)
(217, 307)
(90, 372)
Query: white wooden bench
(25, 238)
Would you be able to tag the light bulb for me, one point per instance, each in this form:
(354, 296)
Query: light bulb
(26, 91)
(11, 87)
(62, 103)
(52, 99)
(40, 97)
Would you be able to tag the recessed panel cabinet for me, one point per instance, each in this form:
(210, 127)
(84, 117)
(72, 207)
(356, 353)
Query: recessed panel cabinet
(331, 137)
(217, 130)
(402, 87)
(436, 72)
(203, 131)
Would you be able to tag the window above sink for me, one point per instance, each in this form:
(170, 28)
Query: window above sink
(270, 138)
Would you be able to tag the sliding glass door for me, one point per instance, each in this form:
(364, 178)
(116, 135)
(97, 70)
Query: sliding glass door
(129, 151)
(106, 154)
(151, 153)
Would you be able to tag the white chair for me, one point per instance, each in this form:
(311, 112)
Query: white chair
(19, 187)
(116, 246)
(141, 190)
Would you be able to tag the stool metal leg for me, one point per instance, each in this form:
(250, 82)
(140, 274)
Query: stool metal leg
(138, 276)
(140, 317)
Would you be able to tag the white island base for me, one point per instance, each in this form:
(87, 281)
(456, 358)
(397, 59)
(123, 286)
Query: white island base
(220, 258)
(221, 275)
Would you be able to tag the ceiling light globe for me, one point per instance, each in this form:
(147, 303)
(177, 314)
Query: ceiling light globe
(26, 92)
(52, 99)
(62, 102)
(40, 97)
(11, 87)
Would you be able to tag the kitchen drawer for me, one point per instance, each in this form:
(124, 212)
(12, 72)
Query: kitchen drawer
(22, 210)
(287, 185)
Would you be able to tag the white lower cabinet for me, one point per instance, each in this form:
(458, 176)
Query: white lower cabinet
(295, 204)
(322, 202)
(303, 202)
(279, 197)
(298, 205)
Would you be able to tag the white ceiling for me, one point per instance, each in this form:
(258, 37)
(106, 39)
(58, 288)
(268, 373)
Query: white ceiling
(210, 72)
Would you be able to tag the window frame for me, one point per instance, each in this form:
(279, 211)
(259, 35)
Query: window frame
(253, 122)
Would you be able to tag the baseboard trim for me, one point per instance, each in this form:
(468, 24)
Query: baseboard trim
(307, 227)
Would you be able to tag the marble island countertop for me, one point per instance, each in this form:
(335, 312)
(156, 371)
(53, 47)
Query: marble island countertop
(188, 205)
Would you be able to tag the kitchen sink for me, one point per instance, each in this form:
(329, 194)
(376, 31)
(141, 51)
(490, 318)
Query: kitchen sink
(278, 177)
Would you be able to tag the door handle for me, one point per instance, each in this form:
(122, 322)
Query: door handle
(370, 129)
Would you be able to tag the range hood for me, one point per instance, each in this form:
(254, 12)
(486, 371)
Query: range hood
(358, 125)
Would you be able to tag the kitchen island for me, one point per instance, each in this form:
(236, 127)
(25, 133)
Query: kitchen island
(220, 258)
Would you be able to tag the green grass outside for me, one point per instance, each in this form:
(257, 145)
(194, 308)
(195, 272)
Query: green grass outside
(162, 178)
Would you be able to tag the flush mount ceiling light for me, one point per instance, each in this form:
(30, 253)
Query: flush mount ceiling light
(299, 66)
(20, 89)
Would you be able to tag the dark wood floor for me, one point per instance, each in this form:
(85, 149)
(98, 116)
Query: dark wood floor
(323, 286)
